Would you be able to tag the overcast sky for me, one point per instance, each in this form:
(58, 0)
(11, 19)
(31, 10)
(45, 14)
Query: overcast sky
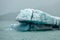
(50, 6)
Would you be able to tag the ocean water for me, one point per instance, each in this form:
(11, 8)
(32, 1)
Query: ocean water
(10, 34)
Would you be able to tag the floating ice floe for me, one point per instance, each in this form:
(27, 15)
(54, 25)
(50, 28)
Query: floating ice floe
(29, 17)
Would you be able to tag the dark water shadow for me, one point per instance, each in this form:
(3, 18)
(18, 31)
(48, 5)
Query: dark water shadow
(45, 30)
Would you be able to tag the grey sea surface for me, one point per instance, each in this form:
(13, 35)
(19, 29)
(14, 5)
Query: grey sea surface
(10, 34)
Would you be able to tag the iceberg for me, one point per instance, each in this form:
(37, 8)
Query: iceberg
(34, 19)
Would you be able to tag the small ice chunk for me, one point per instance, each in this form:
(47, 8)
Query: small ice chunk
(19, 27)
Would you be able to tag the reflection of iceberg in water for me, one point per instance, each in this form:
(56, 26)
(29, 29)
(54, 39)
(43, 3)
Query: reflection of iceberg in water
(30, 19)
